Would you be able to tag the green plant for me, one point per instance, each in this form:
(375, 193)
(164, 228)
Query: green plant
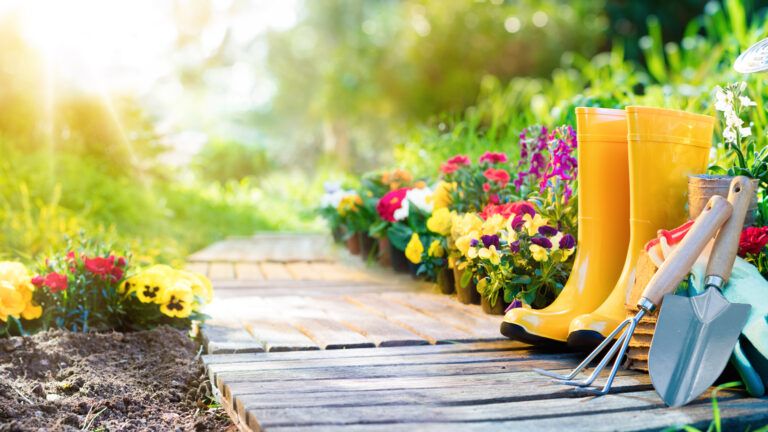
(716, 424)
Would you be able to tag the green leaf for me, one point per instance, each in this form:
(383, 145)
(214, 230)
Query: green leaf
(466, 277)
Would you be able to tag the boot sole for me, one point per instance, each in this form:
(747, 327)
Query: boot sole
(518, 333)
(584, 340)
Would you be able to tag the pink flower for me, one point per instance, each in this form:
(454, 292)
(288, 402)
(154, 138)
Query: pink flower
(753, 240)
(487, 187)
(493, 158)
(100, 266)
(38, 281)
(449, 168)
(499, 176)
(389, 203)
(459, 160)
(55, 282)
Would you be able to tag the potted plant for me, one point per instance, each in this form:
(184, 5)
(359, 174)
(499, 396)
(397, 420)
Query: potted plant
(352, 219)
(328, 209)
(738, 155)
(409, 218)
(374, 186)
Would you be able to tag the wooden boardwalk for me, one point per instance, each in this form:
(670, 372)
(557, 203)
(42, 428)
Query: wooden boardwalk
(283, 322)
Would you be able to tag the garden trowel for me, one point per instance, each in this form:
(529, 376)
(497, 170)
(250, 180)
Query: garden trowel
(695, 336)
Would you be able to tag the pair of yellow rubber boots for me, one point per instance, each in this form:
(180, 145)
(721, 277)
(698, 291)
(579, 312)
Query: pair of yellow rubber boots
(633, 173)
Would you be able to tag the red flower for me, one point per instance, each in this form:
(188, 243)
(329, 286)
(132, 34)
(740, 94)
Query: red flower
(121, 262)
(449, 168)
(55, 282)
(518, 208)
(116, 274)
(459, 160)
(100, 266)
(487, 187)
(753, 240)
(493, 158)
(499, 176)
(38, 281)
(389, 203)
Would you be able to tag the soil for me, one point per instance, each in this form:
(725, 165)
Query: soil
(149, 380)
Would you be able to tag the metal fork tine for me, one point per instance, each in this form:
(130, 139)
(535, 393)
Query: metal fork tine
(604, 361)
(587, 360)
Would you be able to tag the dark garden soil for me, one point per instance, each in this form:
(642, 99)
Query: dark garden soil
(150, 380)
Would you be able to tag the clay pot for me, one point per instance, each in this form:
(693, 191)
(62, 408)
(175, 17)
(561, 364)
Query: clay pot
(467, 294)
(702, 187)
(445, 281)
(353, 244)
(367, 245)
(385, 260)
(497, 309)
(398, 260)
(337, 235)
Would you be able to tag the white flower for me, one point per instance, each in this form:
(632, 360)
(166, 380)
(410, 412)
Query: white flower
(402, 212)
(333, 199)
(746, 101)
(729, 135)
(745, 132)
(722, 99)
(421, 198)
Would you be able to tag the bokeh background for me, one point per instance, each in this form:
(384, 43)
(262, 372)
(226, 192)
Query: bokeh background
(163, 125)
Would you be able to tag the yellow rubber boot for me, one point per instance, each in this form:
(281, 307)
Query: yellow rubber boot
(665, 146)
(603, 191)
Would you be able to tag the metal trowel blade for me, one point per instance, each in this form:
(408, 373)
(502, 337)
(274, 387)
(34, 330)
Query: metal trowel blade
(692, 343)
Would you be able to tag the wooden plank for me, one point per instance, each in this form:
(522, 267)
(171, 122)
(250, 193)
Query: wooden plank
(303, 271)
(302, 356)
(248, 271)
(418, 323)
(279, 336)
(381, 332)
(736, 414)
(221, 270)
(220, 339)
(331, 334)
(275, 271)
(485, 327)
(198, 267)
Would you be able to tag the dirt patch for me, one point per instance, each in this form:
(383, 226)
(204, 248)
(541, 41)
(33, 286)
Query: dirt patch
(148, 380)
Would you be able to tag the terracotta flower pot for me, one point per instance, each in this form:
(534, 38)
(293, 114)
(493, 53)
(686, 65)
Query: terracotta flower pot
(702, 187)
(385, 259)
(337, 235)
(398, 260)
(445, 281)
(367, 245)
(497, 309)
(467, 294)
(353, 244)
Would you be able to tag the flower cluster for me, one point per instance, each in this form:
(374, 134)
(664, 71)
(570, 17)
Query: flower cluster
(560, 171)
(472, 186)
(16, 293)
(731, 102)
(753, 241)
(177, 292)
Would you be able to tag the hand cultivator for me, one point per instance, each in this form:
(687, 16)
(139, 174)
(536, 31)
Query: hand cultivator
(666, 279)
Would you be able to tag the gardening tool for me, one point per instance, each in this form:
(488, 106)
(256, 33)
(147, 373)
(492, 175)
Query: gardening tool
(666, 279)
(603, 230)
(665, 147)
(695, 336)
(754, 59)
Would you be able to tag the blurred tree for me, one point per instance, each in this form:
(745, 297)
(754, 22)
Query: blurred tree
(222, 161)
(350, 72)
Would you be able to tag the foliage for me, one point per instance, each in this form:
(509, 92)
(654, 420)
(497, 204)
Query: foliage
(223, 161)
(91, 288)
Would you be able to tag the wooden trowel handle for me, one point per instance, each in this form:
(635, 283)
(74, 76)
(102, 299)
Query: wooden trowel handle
(727, 241)
(680, 262)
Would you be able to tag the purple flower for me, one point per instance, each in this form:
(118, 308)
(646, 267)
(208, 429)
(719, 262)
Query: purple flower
(474, 242)
(515, 246)
(547, 230)
(490, 240)
(514, 305)
(518, 222)
(567, 242)
(542, 241)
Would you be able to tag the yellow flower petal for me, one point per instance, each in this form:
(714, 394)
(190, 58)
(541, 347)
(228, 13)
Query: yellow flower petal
(414, 249)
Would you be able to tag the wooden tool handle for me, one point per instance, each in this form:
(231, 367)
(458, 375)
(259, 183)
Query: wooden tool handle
(727, 241)
(679, 263)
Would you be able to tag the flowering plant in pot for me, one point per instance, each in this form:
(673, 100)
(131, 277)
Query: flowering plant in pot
(465, 228)
(426, 249)
(329, 208)
(354, 220)
(738, 154)
(473, 185)
(521, 257)
(373, 187)
(406, 211)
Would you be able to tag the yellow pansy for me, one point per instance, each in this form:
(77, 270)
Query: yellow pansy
(532, 224)
(508, 235)
(493, 224)
(490, 254)
(148, 285)
(177, 298)
(538, 253)
(566, 254)
(440, 222)
(441, 197)
(16, 292)
(436, 249)
(555, 239)
(482, 284)
(463, 242)
(464, 224)
(349, 204)
(414, 249)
